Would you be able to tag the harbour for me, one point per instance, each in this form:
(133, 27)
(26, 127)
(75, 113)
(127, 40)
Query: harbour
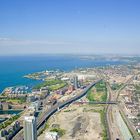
(6, 114)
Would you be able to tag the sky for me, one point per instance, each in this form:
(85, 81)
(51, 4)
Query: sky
(69, 26)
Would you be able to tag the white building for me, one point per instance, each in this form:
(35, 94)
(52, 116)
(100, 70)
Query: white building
(30, 131)
(75, 81)
(51, 136)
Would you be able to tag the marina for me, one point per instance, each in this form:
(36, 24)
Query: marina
(9, 112)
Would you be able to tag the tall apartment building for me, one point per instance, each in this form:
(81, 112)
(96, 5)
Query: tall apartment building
(30, 130)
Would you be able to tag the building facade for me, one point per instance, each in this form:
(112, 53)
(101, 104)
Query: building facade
(30, 131)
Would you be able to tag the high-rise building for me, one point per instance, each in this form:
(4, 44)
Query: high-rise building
(75, 81)
(30, 131)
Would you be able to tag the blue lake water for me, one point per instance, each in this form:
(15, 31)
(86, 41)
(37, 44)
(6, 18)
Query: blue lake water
(9, 112)
(13, 68)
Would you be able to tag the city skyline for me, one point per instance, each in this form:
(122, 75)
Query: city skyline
(70, 70)
(78, 27)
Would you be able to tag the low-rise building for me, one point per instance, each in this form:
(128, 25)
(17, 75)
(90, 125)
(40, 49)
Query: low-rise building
(51, 136)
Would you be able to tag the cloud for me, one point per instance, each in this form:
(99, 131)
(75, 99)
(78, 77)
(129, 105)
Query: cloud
(10, 45)
(13, 42)
(4, 39)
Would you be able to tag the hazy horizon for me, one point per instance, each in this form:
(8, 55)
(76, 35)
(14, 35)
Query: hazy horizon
(69, 27)
(71, 54)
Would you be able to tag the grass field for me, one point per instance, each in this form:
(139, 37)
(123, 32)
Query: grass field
(58, 86)
(15, 100)
(98, 93)
(52, 85)
(116, 86)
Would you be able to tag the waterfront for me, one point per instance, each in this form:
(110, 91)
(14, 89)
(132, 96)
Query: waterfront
(13, 68)
(11, 112)
(7, 113)
(2, 120)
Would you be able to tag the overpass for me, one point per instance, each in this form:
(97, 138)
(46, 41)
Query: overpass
(55, 108)
(61, 105)
(109, 102)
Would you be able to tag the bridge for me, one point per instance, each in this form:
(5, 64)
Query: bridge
(61, 105)
(56, 108)
(83, 102)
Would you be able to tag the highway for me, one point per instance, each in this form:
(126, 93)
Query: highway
(128, 123)
(108, 102)
(54, 109)
(114, 130)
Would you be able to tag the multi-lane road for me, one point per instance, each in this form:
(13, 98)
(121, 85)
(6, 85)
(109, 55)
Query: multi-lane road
(114, 131)
(55, 108)
(113, 113)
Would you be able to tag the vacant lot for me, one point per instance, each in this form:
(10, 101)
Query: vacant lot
(79, 123)
(98, 93)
